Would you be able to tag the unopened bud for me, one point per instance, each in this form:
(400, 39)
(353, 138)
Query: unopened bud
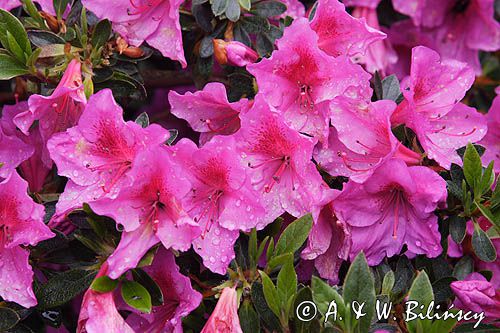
(234, 53)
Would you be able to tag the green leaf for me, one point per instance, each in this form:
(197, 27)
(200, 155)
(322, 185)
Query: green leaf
(482, 245)
(420, 292)
(270, 250)
(294, 235)
(10, 68)
(30, 8)
(101, 33)
(359, 286)
(173, 135)
(323, 294)
(269, 8)
(388, 283)
(151, 286)
(246, 4)
(457, 227)
(463, 267)
(299, 326)
(219, 7)
(8, 319)
(42, 38)
(63, 287)
(259, 301)
(390, 88)
(136, 296)
(487, 179)
(271, 294)
(287, 283)
(15, 48)
(143, 120)
(104, 284)
(488, 214)
(233, 10)
(249, 320)
(473, 169)
(9, 24)
(279, 260)
(60, 7)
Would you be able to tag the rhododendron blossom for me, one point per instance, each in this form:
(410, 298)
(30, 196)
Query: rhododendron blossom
(57, 112)
(32, 169)
(225, 316)
(99, 312)
(298, 78)
(220, 196)
(153, 21)
(395, 206)
(361, 139)
(208, 111)
(150, 210)
(431, 107)
(21, 224)
(47, 5)
(13, 151)
(179, 298)
(329, 241)
(278, 160)
(477, 294)
(491, 140)
(97, 154)
(339, 33)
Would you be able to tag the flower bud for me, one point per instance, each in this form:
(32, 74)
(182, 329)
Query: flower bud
(52, 22)
(234, 53)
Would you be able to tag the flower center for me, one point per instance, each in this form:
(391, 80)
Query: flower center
(221, 123)
(138, 9)
(305, 100)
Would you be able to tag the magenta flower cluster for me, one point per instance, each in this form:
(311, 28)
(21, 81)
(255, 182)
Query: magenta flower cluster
(256, 159)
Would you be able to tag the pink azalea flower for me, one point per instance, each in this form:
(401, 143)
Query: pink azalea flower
(339, 33)
(150, 210)
(221, 199)
(208, 111)
(225, 316)
(21, 225)
(361, 139)
(56, 112)
(362, 3)
(379, 55)
(32, 169)
(298, 77)
(491, 141)
(425, 13)
(179, 298)
(97, 154)
(234, 53)
(294, 9)
(460, 29)
(431, 107)
(279, 163)
(13, 152)
(98, 312)
(47, 5)
(329, 240)
(476, 294)
(153, 21)
(395, 206)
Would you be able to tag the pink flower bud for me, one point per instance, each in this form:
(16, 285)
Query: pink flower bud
(234, 53)
(225, 316)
